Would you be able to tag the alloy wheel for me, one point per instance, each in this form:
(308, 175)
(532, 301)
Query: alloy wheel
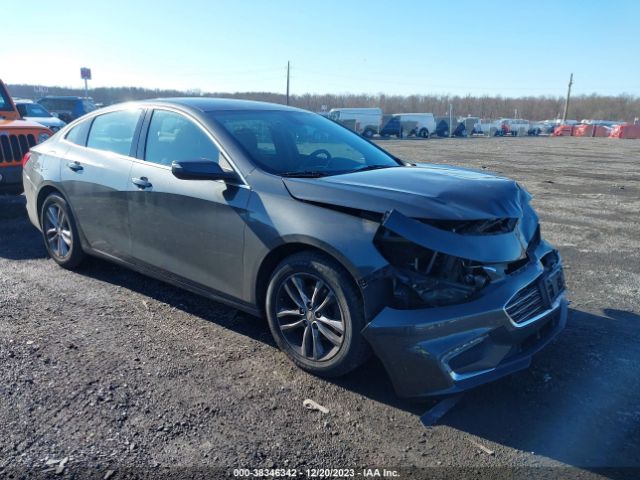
(309, 317)
(58, 231)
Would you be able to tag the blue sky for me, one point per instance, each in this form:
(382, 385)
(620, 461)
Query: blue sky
(393, 47)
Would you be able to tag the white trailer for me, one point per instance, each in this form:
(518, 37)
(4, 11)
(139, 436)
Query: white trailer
(364, 121)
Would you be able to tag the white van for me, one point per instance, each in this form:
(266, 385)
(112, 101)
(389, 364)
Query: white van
(364, 121)
(485, 126)
(425, 123)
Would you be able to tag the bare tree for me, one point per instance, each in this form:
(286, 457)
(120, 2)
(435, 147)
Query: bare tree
(624, 107)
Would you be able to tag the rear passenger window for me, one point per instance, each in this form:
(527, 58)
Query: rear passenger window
(113, 132)
(78, 134)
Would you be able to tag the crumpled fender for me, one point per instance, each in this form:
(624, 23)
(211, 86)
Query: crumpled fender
(497, 248)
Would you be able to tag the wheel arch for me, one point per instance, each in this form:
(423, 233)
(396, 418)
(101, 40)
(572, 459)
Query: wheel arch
(43, 193)
(279, 253)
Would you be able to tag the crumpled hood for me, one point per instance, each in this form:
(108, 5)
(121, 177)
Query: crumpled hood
(424, 191)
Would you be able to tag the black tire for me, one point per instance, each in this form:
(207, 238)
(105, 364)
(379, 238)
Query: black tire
(368, 133)
(424, 133)
(309, 268)
(73, 255)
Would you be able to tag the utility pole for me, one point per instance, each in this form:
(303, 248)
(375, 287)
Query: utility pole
(566, 103)
(288, 65)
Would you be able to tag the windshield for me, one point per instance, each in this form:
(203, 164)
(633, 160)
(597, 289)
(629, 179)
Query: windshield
(293, 143)
(33, 110)
(4, 101)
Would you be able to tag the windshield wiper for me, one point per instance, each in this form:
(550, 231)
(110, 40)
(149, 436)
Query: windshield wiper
(304, 174)
(370, 167)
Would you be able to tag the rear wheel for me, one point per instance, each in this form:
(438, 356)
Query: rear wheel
(315, 315)
(60, 232)
(424, 133)
(368, 133)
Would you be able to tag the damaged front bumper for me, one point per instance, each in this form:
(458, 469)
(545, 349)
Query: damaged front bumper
(446, 349)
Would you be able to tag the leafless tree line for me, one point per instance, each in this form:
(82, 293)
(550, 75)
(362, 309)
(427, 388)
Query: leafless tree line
(621, 107)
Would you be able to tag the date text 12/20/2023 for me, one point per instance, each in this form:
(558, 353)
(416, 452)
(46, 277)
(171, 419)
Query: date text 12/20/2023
(315, 473)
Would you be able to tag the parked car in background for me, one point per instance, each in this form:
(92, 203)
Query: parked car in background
(17, 136)
(469, 123)
(604, 123)
(439, 271)
(442, 127)
(537, 128)
(68, 108)
(512, 126)
(391, 126)
(364, 121)
(37, 113)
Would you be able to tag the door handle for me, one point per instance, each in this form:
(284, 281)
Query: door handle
(142, 182)
(75, 166)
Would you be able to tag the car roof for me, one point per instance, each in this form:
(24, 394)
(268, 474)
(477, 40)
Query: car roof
(208, 104)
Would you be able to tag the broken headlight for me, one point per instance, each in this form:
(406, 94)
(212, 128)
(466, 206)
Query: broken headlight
(425, 278)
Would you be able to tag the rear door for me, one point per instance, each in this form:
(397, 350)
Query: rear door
(95, 178)
(191, 228)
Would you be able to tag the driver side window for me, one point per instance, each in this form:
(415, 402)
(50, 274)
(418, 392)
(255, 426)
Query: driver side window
(173, 137)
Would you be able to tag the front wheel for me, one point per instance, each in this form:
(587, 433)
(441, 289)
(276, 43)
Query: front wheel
(60, 232)
(315, 314)
(368, 133)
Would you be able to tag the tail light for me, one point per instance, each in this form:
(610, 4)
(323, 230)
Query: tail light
(26, 158)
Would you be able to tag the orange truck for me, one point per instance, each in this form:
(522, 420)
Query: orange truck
(17, 136)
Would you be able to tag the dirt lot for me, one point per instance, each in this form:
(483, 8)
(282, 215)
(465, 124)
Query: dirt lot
(115, 371)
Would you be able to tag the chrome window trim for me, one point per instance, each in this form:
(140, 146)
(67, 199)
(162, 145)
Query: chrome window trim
(91, 116)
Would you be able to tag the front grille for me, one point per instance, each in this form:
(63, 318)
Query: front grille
(537, 297)
(526, 304)
(14, 147)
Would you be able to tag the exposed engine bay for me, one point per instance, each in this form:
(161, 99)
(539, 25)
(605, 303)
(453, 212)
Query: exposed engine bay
(424, 277)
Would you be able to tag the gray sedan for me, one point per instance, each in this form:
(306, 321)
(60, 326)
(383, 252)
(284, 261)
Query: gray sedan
(347, 250)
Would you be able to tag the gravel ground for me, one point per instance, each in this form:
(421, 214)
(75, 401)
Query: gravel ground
(109, 373)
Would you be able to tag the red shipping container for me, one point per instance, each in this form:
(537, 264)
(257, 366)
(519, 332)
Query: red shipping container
(583, 131)
(626, 131)
(563, 131)
(602, 131)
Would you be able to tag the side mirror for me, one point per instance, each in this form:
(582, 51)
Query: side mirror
(201, 169)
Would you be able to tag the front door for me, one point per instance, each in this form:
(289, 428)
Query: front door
(190, 228)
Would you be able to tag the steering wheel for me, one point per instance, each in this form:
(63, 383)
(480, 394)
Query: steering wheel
(321, 151)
